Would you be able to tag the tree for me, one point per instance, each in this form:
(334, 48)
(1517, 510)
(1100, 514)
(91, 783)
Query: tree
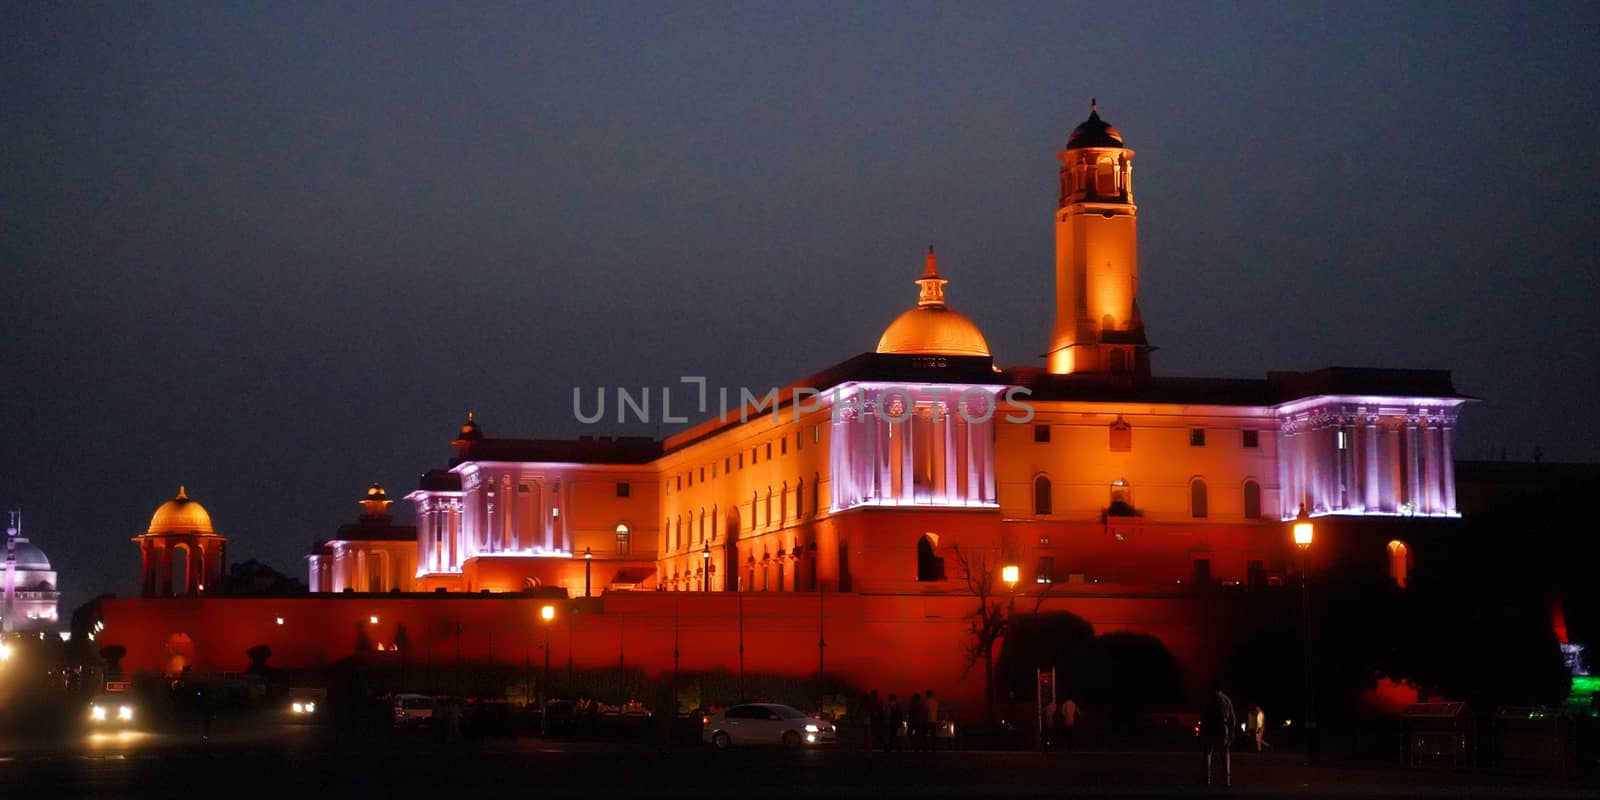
(988, 622)
(1057, 640)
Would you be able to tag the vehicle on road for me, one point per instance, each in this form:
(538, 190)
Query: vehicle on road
(112, 711)
(765, 724)
(413, 710)
(305, 705)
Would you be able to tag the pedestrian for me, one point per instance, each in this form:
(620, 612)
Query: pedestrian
(1068, 712)
(874, 710)
(916, 720)
(930, 705)
(1047, 724)
(896, 718)
(1258, 725)
(1216, 734)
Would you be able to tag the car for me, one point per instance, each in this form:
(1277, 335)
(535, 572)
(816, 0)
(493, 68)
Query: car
(765, 724)
(412, 710)
(305, 705)
(112, 711)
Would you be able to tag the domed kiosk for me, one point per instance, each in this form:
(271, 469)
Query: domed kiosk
(933, 328)
(181, 553)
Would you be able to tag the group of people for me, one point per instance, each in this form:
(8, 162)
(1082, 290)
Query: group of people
(1058, 724)
(1217, 725)
(888, 721)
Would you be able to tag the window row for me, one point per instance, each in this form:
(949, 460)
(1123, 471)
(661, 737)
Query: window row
(737, 461)
(1120, 498)
(766, 511)
(1121, 436)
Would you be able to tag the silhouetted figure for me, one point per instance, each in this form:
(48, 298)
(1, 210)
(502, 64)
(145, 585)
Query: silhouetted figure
(1216, 734)
(930, 731)
(896, 718)
(874, 711)
(916, 720)
(1067, 724)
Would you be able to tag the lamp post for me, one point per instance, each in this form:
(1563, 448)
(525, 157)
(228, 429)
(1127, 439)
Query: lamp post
(588, 569)
(705, 567)
(1303, 534)
(547, 614)
(1009, 573)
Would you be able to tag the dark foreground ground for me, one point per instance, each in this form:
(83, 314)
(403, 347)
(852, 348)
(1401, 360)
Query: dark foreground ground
(302, 762)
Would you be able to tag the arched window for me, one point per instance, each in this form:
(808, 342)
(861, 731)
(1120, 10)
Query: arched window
(929, 566)
(624, 539)
(1399, 562)
(700, 531)
(783, 501)
(1121, 499)
(769, 506)
(1252, 500)
(1197, 498)
(800, 497)
(1105, 177)
(816, 492)
(1042, 505)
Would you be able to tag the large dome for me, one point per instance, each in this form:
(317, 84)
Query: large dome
(181, 515)
(933, 328)
(933, 331)
(29, 556)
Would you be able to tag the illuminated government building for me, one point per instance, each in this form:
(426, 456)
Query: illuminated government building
(1123, 495)
(1120, 477)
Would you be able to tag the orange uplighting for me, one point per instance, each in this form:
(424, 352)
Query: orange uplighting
(372, 620)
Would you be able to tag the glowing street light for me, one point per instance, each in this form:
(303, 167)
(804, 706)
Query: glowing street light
(372, 619)
(1010, 573)
(588, 569)
(705, 567)
(1303, 535)
(547, 613)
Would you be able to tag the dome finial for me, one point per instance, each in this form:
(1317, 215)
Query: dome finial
(932, 269)
(182, 494)
(932, 285)
(1094, 105)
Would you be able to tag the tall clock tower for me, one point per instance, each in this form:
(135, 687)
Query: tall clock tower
(1097, 326)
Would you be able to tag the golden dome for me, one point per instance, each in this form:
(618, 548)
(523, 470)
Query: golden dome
(933, 328)
(181, 515)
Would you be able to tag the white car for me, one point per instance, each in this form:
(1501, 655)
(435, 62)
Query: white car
(111, 711)
(765, 723)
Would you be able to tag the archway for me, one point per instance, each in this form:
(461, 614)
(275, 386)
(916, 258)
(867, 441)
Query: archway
(179, 571)
(929, 566)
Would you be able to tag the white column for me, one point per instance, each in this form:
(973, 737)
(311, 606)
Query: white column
(1370, 456)
(1448, 465)
(1413, 466)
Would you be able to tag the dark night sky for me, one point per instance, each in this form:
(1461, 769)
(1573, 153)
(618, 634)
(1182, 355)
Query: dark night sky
(275, 252)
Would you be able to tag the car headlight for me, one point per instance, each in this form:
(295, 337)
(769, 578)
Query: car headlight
(311, 707)
(298, 708)
(97, 713)
(124, 713)
(810, 728)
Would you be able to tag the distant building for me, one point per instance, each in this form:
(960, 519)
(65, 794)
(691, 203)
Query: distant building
(31, 599)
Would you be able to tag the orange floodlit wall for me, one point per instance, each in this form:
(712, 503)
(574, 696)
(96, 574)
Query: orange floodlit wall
(893, 642)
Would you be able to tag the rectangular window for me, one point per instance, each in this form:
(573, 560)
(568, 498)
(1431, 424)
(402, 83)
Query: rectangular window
(702, 474)
(1121, 437)
(623, 488)
(1041, 433)
(1197, 437)
(1202, 571)
(691, 479)
(679, 485)
(783, 446)
(755, 456)
(769, 451)
(741, 460)
(799, 440)
(1252, 438)
(727, 464)
(1047, 570)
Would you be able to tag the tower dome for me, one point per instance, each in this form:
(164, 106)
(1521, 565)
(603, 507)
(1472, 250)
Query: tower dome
(1094, 132)
(29, 556)
(933, 328)
(181, 515)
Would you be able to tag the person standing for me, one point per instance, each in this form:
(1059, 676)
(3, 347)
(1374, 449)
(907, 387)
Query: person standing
(1258, 725)
(1047, 724)
(1069, 724)
(1216, 734)
(916, 720)
(874, 711)
(896, 718)
(930, 731)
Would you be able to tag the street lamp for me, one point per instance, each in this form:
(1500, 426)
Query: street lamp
(588, 569)
(1304, 532)
(547, 614)
(705, 567)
